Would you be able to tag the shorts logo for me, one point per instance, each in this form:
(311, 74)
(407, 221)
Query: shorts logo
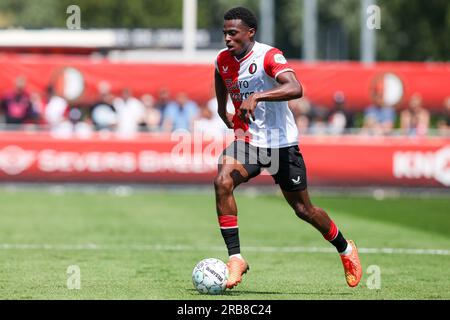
(252, 69)
(296, 181)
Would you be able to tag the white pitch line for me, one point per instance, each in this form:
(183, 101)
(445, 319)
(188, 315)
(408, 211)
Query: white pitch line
(160, 247)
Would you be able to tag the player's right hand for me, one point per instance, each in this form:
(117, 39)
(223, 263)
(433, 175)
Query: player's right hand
(229, 123)
(247, 108)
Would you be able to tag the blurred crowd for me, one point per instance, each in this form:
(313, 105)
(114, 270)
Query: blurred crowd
(126, 114)
(377, 119)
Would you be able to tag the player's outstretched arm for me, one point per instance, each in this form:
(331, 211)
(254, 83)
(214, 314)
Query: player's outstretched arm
(289, 89)
(222, 96)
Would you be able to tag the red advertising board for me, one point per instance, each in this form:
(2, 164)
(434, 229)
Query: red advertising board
(79, 77)
(157, 158)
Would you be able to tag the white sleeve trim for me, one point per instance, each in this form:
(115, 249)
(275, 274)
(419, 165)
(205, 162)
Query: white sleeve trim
(284, 70)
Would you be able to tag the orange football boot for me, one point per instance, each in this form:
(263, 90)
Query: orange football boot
(236, 268)
(352, 266)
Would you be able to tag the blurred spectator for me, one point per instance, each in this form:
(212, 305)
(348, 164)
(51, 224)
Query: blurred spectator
(130, 114)
(415, 120)
(444, 121)
(102, 113)
(162, 102)
(378, 118)
(180, 114)
(152, 119)
(301, 108)
(213, 107)
(17, 106)
(37, 103)
(210, 125)
(339, 119)
(75, 115)
(56, 111)
(318, 123)
(82, 128)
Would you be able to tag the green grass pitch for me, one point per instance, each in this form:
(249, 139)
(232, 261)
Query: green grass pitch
(144, 246)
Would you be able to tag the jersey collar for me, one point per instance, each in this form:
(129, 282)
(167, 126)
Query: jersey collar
(247, 55)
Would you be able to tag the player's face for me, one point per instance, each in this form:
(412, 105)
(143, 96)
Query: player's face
(238, 37)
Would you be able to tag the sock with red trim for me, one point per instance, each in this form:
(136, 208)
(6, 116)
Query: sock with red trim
(335, 237)
(230, 233)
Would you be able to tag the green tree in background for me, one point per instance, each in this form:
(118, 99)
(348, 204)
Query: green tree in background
(95, 14)
(31, 14)
(414, 30)
(410, 30)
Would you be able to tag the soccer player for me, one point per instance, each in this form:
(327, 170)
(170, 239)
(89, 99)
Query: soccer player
(260, 82)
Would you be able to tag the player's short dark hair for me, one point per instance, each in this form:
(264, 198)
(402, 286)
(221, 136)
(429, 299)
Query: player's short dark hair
(245, 15)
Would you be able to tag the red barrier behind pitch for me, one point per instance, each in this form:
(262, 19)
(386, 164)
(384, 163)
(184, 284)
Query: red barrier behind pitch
(340, 161)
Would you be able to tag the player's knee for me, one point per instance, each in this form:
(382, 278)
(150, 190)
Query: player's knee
(223, 184)
(303, 213)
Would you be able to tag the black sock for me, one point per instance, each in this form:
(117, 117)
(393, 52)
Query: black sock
(231, 237)
(339, 242)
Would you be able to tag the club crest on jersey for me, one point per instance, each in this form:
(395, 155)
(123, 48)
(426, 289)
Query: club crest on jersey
(252, 69)
(225, 69)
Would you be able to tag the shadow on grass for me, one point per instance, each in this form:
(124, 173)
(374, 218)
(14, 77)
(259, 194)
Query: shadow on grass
(250, 292)
(244, 292)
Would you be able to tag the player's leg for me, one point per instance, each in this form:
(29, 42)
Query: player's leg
(231, 173)
(317, 217)
(305, 210)
(292, 179)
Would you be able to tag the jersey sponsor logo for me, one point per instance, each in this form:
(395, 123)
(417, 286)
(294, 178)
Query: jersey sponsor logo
(225, 69)
(236, 89)
(252, 69)
(240, 96)
(279, 58)
(236, 85)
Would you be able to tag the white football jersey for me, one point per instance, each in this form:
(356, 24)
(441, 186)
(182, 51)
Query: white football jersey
(274, 126)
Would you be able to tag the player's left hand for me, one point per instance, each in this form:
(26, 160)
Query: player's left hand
(247, 108)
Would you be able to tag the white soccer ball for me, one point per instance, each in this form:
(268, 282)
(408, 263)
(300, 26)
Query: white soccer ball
(210, 276)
